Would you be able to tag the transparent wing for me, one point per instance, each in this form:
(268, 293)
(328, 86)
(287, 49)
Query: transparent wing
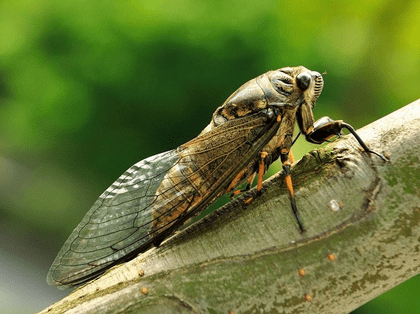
(115, 227)
(156, 195)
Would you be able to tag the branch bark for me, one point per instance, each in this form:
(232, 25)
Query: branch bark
(363, 229)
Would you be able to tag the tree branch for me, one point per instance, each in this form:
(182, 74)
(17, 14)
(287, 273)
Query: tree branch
(363, 227)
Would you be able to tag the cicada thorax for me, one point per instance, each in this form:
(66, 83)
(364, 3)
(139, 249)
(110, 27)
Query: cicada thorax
(271, 89)
(207, 165)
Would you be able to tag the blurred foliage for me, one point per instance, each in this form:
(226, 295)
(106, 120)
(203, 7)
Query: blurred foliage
(87, 88)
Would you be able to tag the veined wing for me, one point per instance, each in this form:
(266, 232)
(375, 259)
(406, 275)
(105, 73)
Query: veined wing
(122, 211)
(156, 195)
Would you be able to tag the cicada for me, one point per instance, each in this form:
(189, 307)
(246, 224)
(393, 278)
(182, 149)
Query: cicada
(253, 128)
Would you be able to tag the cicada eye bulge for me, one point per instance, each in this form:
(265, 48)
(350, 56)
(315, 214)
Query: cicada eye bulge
(303, 80)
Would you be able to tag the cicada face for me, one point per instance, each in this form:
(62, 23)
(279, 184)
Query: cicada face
(287, 88)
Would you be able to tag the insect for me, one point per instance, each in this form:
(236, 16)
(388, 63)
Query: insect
(253, 128)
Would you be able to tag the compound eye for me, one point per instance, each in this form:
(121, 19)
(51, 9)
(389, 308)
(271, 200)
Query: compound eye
(303, 80)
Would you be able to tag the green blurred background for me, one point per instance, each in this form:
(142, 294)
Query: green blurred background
(87, 88)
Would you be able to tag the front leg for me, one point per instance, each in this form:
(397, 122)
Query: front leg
(326, 128)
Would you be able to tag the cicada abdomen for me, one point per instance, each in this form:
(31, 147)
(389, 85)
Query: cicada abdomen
(252, 129)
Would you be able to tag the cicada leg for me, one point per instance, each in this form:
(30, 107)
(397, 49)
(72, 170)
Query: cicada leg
(291, 157)
(260, 177)
(249, 182)
(326, 128)
(247, 187)
(285, 160)
(261, 168)
(235, 182)
(261, 171)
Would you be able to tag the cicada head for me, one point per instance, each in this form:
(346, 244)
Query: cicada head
(291, 87)
(286, 88)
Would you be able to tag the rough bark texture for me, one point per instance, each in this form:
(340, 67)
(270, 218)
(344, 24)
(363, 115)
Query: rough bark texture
(363, 230)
